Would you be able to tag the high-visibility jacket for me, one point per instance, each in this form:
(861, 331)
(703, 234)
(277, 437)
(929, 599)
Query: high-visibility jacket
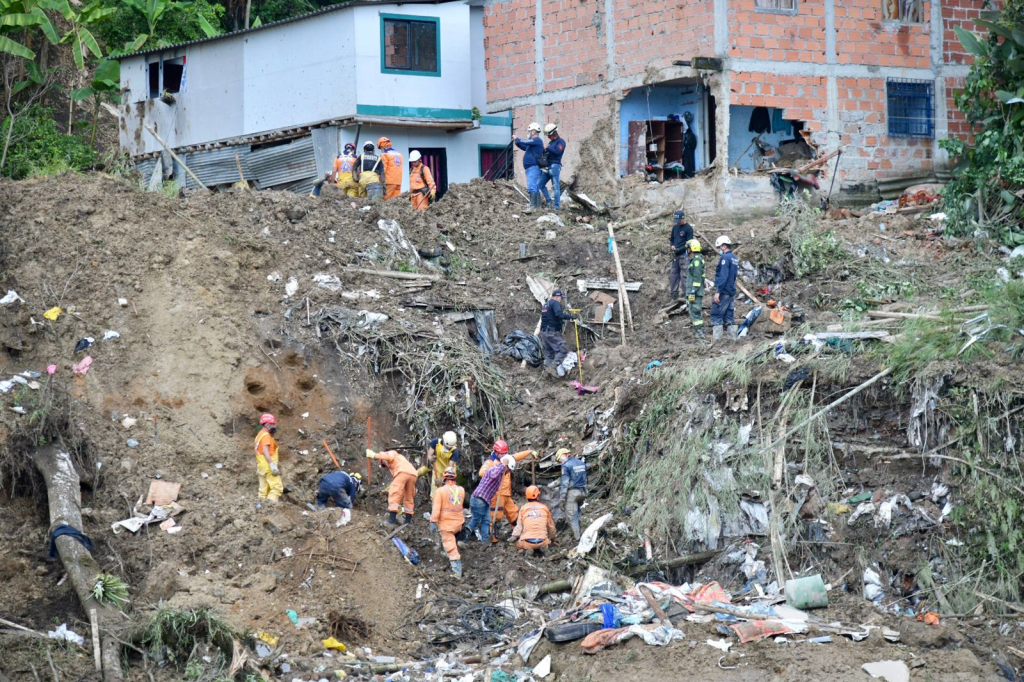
(420, 178)
(505, 489)
(448, 504)
(535, 522)
(392, 166)
(396, 463)
(443, 457)
(344, 164)
(264, 438)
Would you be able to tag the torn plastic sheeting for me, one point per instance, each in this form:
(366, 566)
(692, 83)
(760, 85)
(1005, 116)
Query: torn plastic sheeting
(410, 554)
(486, 331)
(756, 630)
(111, 334)
(329, 282)
(589, 538)
(890, 671)
(10, 297)
(63, 634)
(522, 346)
(527, 643)
(347, 318)
(655, 635)
(395, 235)
(757, 515)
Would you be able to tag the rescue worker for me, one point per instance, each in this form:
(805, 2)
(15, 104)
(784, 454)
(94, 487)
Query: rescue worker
(725, 290)
(552, 319)
(392, 168)
(695, 287)
(402, 491)
(271, 487)
(484, 494)
(682, 233)
(553, 173)
(572, 489)
(533, 147)
(421, 182)
(367, 172)
(442, 456)
(503, 504)
(535, 528)
(343, 167)
(341, 488)
(447, 518)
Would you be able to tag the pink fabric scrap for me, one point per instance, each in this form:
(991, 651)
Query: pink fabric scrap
(83, 366)
(51, 369)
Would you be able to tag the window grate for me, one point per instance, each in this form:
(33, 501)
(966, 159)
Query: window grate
(910, 104)
(783, 6)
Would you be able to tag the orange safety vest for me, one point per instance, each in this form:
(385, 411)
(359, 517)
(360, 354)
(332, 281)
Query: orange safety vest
(264, 438)
(396, 463)
(448, 505)
(537, 521)
(505, 489)
(392, 166)
(344, 163)
(420, 178)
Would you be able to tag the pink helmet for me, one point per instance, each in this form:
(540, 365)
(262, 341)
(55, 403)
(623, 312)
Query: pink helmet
(268, 420)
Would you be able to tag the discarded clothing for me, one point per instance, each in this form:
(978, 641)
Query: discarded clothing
(83, 366)
(657, 635)
(65, 529)
(522, 346)
(760, 121)
(83, 344)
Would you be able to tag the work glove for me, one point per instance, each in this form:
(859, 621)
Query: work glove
(691, 298)
(433, 527)
(274, 470)
(433, 194)
(370, 453)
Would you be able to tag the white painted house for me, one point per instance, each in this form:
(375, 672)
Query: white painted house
(285, 97)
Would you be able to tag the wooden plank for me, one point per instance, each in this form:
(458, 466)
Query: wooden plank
(606, 283)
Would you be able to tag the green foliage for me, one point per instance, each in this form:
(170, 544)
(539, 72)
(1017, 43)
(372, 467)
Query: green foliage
(987, 190)
(19, 18)
(158, 22)
(109, 589)
(812, 248)
(871, 293)
(37, 146)
(176, 635)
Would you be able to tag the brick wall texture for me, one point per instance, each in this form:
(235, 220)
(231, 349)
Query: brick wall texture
(650, 34)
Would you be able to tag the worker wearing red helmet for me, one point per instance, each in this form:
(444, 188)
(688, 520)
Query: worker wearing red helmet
(447, 517)
(503, 504)
(402, 492)
(271, 487)
(535, 527)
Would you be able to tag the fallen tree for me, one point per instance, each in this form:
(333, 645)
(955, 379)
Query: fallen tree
(65, 501)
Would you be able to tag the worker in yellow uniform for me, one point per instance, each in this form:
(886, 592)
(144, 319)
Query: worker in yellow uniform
(392, 168)
(271, 487)
(421, 182)
(367, 172)
(503, 504)
(343, 167)
(442, 455)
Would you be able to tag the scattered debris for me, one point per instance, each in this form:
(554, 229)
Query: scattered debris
(65, 635)
(83, 366)
(10, 297)
(890, 671)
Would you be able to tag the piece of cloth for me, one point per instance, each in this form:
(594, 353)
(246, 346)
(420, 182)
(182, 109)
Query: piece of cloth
(760, 121)
(271, 485)
(725, 274)
(553, 316)
(555, 149)
(675, 273)
(535, 523)
(533, 147)
(393, 163)
(337, 486)
(481, 517)
(489, 483)
(70, 531)
(421, 186)
(554, 176)
(779, 124)
(695, 289)
(722, 312)
(402, 493)
(689, 154)
(573, 502)
(534, 176)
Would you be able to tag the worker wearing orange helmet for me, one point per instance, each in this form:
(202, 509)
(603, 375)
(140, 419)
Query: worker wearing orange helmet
(503, 504)
(447, 518)
(392, 168)
(271, 487)
(402, 491)
(535, 527)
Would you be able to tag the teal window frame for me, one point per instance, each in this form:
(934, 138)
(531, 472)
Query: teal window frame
(410, 17)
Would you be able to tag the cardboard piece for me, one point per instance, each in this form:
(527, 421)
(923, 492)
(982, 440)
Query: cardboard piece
(603, 306)
(162, 493)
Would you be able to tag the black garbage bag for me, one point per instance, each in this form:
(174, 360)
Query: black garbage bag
(522, 346)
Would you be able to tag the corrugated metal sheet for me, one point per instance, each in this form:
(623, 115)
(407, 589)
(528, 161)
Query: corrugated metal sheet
(284, 164)
(325, 148)
(304, 186)
(145, 168)
(217, 166)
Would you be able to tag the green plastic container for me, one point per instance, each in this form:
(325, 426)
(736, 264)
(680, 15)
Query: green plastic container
(807, 593)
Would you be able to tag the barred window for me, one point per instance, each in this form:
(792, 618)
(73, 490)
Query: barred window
(903, 11)
(910, 107)
(775, 5)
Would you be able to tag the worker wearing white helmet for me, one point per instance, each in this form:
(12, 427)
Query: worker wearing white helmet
(533, 147)
(553, 173)
(725, 290)
(442, 454)
(421, 185)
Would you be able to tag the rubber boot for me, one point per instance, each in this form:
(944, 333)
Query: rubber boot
(457, 568)
(716, 333)
(392, 521)
(732, 333)
(408, 519)
(534, 202)
(698, 332)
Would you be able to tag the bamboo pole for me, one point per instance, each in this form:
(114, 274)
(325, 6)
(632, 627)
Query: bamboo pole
(176, 158)
(392, 274)
(623, 294)
(698, 558)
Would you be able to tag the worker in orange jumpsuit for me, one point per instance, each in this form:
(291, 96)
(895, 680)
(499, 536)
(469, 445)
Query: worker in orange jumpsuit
(421, 182)
(503, 504)
(402, 491)
(392, 168)
(271, 487)
(535, 527)
(447, 518)
(342, 176)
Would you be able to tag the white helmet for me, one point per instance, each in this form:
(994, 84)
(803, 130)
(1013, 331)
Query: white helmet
(448, 439)
(509, 461)
(533, 127)
(550, 128)
(415, 156)
(723, 239)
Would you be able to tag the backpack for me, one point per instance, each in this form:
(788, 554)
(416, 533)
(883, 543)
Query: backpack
(542, 159)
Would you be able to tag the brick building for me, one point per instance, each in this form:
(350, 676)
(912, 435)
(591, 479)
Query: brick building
(875, 78)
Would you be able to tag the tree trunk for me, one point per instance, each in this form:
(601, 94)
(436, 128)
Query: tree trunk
(65, 499)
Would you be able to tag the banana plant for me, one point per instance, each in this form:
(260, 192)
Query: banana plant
(154, 10)
(18, 15)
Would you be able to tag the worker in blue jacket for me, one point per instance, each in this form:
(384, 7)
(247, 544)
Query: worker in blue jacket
(572, 489)
(340, 487)
(553, 173)
(533, 147)
(725, 290)
(552, 320)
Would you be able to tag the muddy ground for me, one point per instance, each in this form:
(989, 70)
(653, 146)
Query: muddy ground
(209, 340)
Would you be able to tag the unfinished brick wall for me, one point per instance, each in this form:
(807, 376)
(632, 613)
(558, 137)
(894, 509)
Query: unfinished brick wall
(958, 124)
(802, 98)
(652, 33)
(863, 38)
(958, 13)
(508, 46)
(574, 49)
(784, 37)
(869, 152)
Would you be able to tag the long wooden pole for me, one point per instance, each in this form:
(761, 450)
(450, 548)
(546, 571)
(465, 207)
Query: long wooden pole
(176, 158)
(618, 273)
